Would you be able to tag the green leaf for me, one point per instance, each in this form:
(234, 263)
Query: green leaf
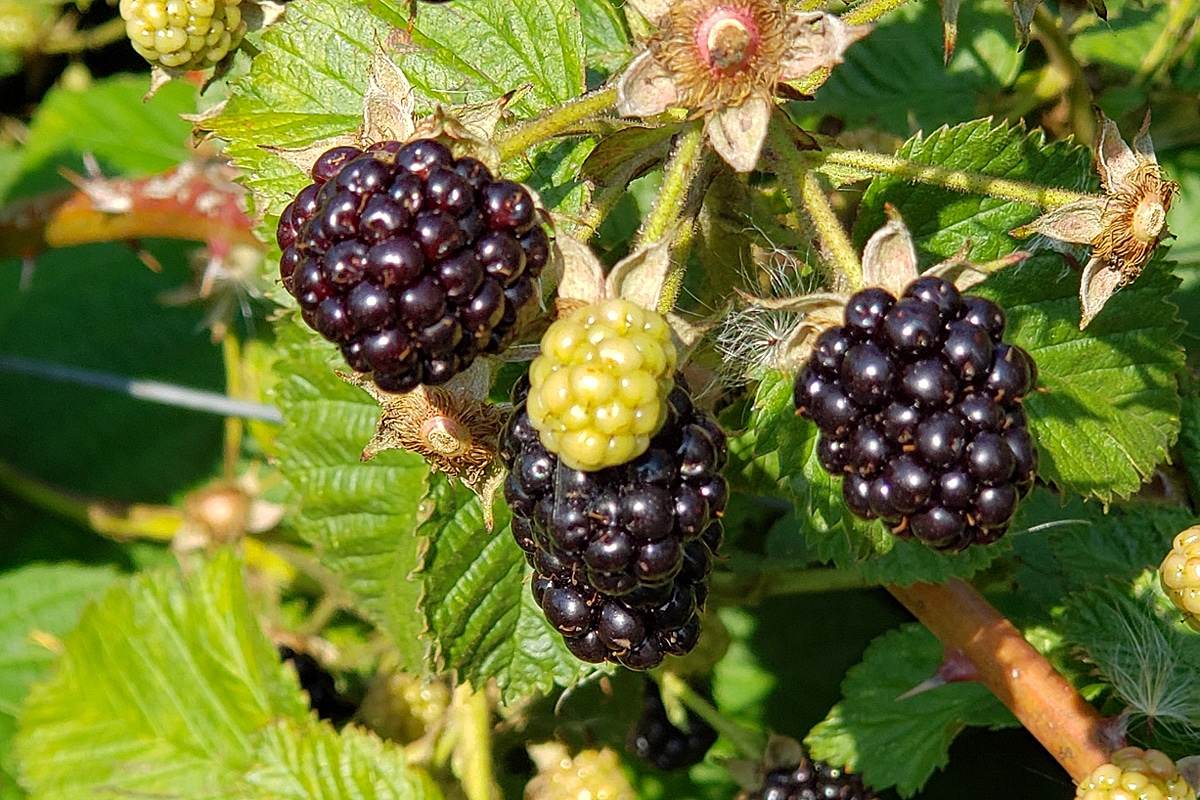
(1107, 407)
(895, 742)
(478, 609)
(161, 689)
(1141, 648)
(110, 120)
(894, 79)
(941, 220)
(314, 762)
(476, 52)
(361, 518)
(606, 35)
(45, 600)
(822, 519)
(306, 85)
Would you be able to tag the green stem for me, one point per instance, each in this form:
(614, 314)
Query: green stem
(678, 175)
(474, 749)
(742, 588)
(516, 140)
(1171, 42)
(870, 11)
(750, 744)
(957, 180)
(1079, 96)
(602, 205)
(806, 194)
(89, 39)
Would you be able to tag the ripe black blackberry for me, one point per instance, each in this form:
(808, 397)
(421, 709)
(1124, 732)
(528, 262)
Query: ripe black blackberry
(810, 780)
(658, 740)
(621, 556)
(918, 401)
(411, 261)
(323, 696)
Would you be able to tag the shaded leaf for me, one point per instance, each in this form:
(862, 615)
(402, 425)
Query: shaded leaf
(480, 614)
(899, 743)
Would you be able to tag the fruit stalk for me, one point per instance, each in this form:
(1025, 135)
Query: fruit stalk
(870, 11)
(805, 193)
(1049, 707)
(519, 138)
(954, 179)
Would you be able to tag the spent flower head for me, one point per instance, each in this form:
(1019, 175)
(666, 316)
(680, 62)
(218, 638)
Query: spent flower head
(1123, 226)
(724, 60)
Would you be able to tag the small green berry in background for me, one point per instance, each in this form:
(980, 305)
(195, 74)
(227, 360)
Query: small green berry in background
(580, 398)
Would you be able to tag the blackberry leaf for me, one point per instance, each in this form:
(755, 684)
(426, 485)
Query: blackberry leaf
(312, 762)
(176, 675)
(360, 517)
(485, 48)
(478, 611)
(899, 743)
(1110, 409)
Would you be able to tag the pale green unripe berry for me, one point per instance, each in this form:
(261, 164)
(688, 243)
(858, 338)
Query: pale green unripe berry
(183, 34)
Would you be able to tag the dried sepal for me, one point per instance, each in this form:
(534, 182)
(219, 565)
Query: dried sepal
(1123, 226)
(639, 277)
(651, 10)
(582, 275)
(737, 133)
(388, 105)
(889, 256)
(453, 427)
(645, 88)
(817, 41)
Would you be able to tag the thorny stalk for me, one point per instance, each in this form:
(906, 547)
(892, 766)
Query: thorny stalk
(678, 175)
(750, 744)
(1079, 96)
(1048, 706)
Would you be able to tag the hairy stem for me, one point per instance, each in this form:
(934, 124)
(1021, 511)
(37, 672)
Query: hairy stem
(870, 11)
(679, 173)
(473, 752)
(516, 140)
(807, 195)
(955, 179)
(1049, 707)
(750, 744)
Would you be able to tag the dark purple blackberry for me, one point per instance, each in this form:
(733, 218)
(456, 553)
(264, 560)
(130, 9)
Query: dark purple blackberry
(412, 261)
(621, 556)
(659, 741)
(809, 780)
(918, 403)
(315, 680)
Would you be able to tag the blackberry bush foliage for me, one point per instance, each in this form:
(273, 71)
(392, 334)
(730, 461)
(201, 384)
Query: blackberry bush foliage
(918, 401)
(412, 261)
(590, 352)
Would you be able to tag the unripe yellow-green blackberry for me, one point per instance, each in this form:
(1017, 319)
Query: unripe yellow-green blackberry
(593, 774)
(598, 391)
(1180, 575)
(183, 34)
(1136, 774)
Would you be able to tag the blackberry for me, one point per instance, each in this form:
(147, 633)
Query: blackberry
(597, 392)
(1180, 575)
(810, 780)
(659, 741)
(621, 556)
(412, 261)
(1134, 772)
(918, 402)
(323, 696)
(183, 34)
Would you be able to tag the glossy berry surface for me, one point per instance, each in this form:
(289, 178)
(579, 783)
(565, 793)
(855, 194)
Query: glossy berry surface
(810, 780)
(621, 556)
(1180, 575)
(659, 741)
(1135, 773)
(918, 402)
(391, 254)
(598, 391)
(183, 34)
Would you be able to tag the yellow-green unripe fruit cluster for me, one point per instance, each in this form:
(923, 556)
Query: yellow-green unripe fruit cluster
(1180, 575)
(598, 391)
(1136, 774)
(183, 34)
